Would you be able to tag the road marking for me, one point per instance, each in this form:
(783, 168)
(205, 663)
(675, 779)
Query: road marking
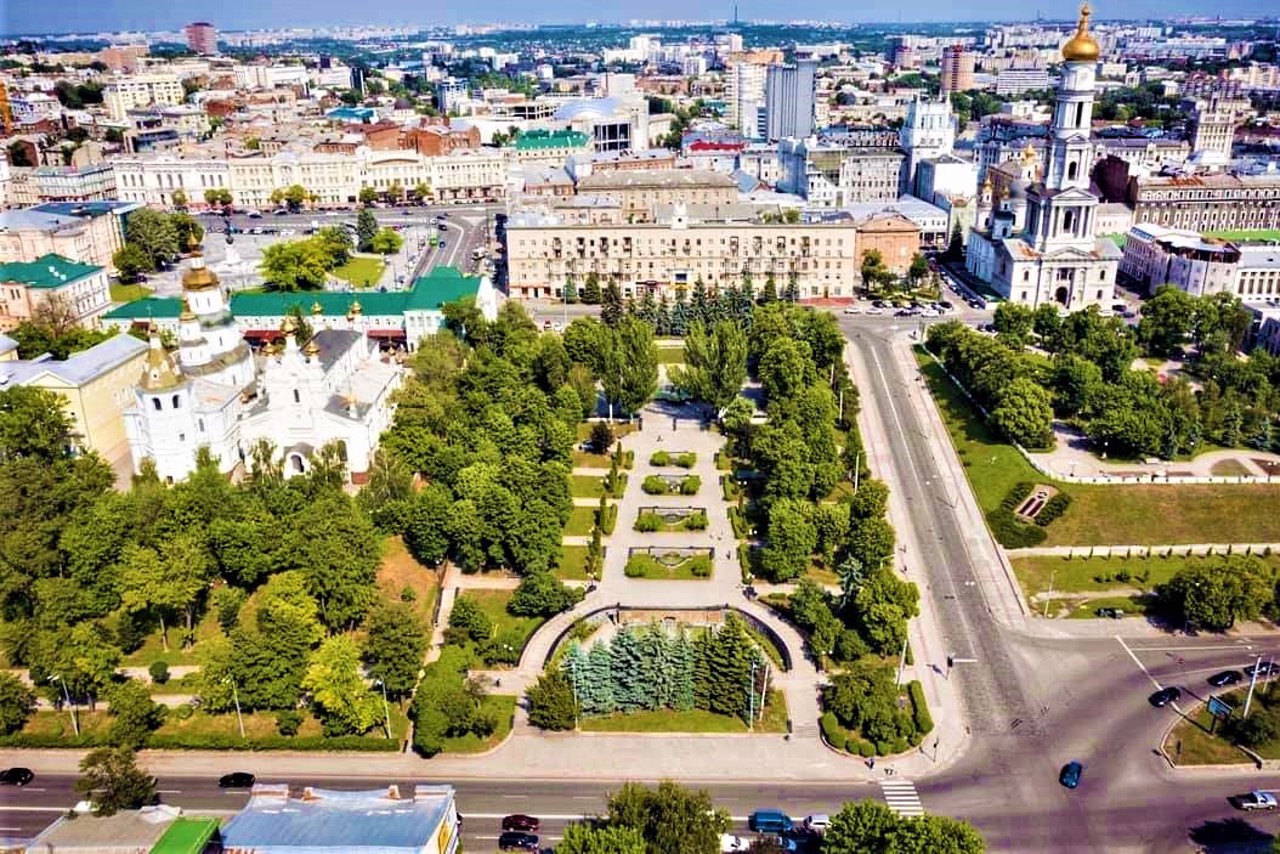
(1235, 647)
(168, 791)
(1136, 661)
(902, 798)
(468, 816)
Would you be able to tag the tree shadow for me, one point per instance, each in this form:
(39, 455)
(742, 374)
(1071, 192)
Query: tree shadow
(1229, 836)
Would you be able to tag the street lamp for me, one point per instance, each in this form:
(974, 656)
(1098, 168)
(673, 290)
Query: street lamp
(235, 696)
(75, 721)
(386, 709)
(751, 698)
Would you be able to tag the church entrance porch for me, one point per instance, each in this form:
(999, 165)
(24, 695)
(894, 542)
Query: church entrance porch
(1063, 296)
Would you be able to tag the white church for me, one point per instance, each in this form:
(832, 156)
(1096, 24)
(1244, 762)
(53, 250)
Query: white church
(299, 395)
(1033, 239)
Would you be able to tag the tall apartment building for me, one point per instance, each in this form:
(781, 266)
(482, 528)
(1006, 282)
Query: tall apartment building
(1213, 123)
(789, 100)
(957, 69)
(1210, 202)
(451, 94)
(202, 37)
(744, 95)
(122, 94)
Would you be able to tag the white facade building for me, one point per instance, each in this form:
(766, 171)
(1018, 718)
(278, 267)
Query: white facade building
(122, 94)
(928, 132)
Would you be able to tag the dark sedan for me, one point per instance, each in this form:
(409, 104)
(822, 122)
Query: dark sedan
(1264, 670)
(517, 842)
(16, 776)
(236, 780)
(1164, 697)
(523, 823)
(1226, 677)
(1070, 775)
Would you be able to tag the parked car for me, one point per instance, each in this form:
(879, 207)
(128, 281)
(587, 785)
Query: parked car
(523, 823)
(253, 214)
(1265, 670)
(1164, 697)
(1256, 800)
(818, 822)
(875, 310)
(1113, 613)
(852, 309)
(1070, 774)
(515, 841)
(16, 776)
(442, 226)
(730, 843)
(1226, 677)
(769, 821)
(236, 780)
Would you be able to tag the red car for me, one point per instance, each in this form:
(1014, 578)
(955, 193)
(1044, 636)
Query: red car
(522, 823)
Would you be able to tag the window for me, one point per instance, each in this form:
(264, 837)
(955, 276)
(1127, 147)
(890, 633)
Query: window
(1071, 171)
(177, 402)
(297, 398)
(155, 404)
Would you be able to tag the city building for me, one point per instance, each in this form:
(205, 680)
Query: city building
(151, 830)
(89, 232)
(1213, 128)
(1015, 81)
(640, 191)
(615, 123)
(91, 183)
(122, 94)
(543, 252)
(549, 147)
(956, 69)
(893, 235)
(928, 133)
(744, 96)
(1156, 256)
(828, 174)
(932, 223)
(202, 37)
(81, 289)
(1206, 202)
(382, 821)
(1039, 247)
(789, 100)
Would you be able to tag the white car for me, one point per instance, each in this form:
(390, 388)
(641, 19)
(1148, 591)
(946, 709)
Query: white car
(817, 823)
(1256, 800)
(852, 309)
(874, 310)
(730, 843)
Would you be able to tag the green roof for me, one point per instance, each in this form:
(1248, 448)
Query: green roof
(186, 836)
(440, 286)
(532, 139)
(48, 271)
(160, 308)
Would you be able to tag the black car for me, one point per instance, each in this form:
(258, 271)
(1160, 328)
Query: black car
(236, 780)
(515, 841)
(1226, 677)
(523, 823)
(1264, 670)
(16, 776)
(443, 227)
(1164, 697)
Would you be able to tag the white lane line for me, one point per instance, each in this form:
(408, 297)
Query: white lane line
(1138, 662)
(468, 816)
(1234, 647)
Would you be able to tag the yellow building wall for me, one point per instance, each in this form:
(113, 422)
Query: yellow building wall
(97, 408)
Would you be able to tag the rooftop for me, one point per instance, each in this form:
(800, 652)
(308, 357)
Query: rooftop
(661, 178)
(186, 836)
(123, 833)
(86, 209)
(534, 140)
(47, 271)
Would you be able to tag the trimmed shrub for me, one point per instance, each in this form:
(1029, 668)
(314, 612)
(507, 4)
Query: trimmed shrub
(919, 709)
(883, 748)
(288, 722)
(608, 519)
(647, 523)
(865, 749)
(831, 729)
(690, 485)
(696, 521)
(159, 672)
(1018, 494)
(183, 712)
(655, 485)
(852, 744)
(739, 524)
(1011, 532)
(701, 566)
(660, 458)
(1053, 508)
(898, 745)
(686, 461)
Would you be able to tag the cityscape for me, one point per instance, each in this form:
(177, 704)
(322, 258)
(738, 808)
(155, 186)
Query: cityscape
(639, 435)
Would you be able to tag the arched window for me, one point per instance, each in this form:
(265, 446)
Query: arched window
(155, 404)
(297, 398)
(1072, 168)
(177, 402)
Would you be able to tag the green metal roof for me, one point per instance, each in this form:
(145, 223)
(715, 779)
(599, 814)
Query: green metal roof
(186, 836)
(160, 308)
(532, 139)
(441, 285)
(47, 271)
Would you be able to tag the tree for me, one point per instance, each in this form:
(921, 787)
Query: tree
(467, 617)
(875, 274)
(792, 538)
(167, 583)
(551, 703)
(179, 198)
(611, 304)
(715, 363)
(17, 702)
(871, 827)
(1014, 322)
(871, 501)
(34, 424)
(918, 270)
(135, 714)
(871, 541)
(83, 660)
(591, 289)
(131, 262)
(366, 230)
(367, 195)
(671, 818)
(785, 369)
(541, 594)
(345, 704)
(630, 375)
(155, 234)
(422, 192)
(335, 547)
(1167, 320)
(112, 780)
(295, 265)
(386, 242)
(597, 839)
(1024, 414)
(295, 196)
(336, 243)
(1216, 592)
(220, 197)
(394, 647)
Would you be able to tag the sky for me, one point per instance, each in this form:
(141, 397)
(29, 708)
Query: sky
(36, 16)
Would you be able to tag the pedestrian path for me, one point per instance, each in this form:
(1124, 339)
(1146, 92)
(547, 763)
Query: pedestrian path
(902, 798)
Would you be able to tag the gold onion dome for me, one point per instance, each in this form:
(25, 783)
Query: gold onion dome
(159, 372)
(312, 349)
(1081, 47)
(187, 314)
(355, 308)
(1028, 153)
(289, 325)
(317, 308)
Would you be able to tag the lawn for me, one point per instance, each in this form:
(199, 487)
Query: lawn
(694, 720)
(1101, 515)
(671, 355)
(153, 650)
(1100, 575)
(686, 523)
(694, 568)
(581, 520)
(400, 572)
(586, 486)
(494, 604)
(572, 563)
(128, 293)
(1190, 743)
(503, 707)
(360, 271)
(52, 724)
(1230, 468)
(1252, 235)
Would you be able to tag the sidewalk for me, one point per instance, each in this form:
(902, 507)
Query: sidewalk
(1136, 551)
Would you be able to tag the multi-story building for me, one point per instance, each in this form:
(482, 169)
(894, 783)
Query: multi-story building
(73, 184)
(1039, 247)
(1213, 123)
(122, 94)
(830, 175)
(202, 37)
(27, 285)
(87, 232)
(1207, 202)
(640, 191)
(153, 179)
(549, 147)
(744, 96)
(1015, 81)
(1156, 256)
(542, 253)
(956, 69)
(452, 95)
(789, 100)
(893, 235)
(929, 132)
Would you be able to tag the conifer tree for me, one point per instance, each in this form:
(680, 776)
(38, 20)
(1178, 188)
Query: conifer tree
(652, 648)
(600, 675)
(682, 657)
(702, 652)
(770, 292)
(627, 693)
(574, 668)
(570, 291)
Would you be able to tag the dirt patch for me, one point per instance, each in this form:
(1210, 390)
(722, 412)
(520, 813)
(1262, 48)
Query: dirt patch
(1271, 467)
(399, 571)
(1035, 502)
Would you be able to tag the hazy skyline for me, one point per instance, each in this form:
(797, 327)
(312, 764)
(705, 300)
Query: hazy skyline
(28, 16)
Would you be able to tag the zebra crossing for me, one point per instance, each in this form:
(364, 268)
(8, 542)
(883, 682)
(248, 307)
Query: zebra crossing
(901, 797)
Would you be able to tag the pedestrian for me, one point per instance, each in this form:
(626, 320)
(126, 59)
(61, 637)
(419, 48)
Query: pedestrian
(871, 763)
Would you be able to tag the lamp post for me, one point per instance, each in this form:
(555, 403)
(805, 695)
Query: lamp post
(235, 696)
(386, 709)
(751, 698)
(75, 721)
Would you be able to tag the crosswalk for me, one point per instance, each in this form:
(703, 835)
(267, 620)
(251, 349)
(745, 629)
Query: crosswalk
(901, 797)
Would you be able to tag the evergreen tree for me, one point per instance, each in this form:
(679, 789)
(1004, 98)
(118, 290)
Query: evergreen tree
(770, 292)
(600, 676)
(792, 293)
(574, 668)
(731, 655)
(611, 305)
(570, 291)
(627, 692)
(698, 302)
(366, 228)
(591, 289)
(662, 322)
(648, 308)
(680, 315)
(682, 662)
(702, 654)
(748, 291)
(653, 673)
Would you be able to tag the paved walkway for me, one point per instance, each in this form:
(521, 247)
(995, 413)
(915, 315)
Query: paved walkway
(1137, 551)
(1073, 457)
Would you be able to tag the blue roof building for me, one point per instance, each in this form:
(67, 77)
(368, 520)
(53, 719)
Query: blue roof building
(324, 821)
(352, 115)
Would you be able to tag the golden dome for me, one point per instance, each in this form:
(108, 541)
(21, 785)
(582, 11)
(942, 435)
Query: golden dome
(187, 314)
(1029, 153)
(312, 349)
(317, 308)
(355, 308)
(159, 373)
(198, 277)
(289, 325)
(1081, 47)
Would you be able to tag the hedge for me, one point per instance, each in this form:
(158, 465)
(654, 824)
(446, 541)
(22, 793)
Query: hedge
(831, 730)
(1011, 532)
(1053, 508)
(1017, 494)
(739, 524)
(221, 742)
(919, 708)
(655, 485)
(608, 518)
